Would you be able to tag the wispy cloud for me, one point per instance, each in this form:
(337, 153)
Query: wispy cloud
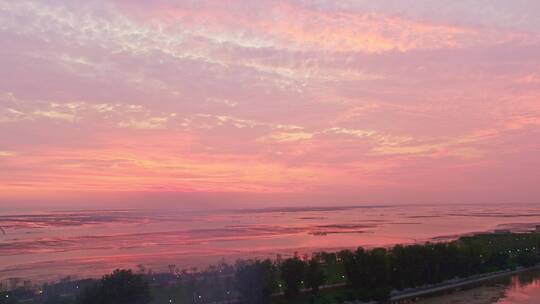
(270, 97)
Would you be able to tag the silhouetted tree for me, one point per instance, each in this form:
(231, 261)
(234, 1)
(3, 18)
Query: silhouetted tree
(255, 281)
(527, 259)
(120, 287)
(315, 275)
(7, 298)
(57, 299)
(356, 267)
(292, 274)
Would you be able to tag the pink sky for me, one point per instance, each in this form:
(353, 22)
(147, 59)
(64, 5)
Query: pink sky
(269, 102)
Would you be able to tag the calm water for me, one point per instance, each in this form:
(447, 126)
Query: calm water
(49, 245)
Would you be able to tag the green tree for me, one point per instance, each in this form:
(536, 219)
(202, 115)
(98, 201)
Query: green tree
(120, 287)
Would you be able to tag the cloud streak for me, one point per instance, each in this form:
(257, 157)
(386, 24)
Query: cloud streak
(296, 99)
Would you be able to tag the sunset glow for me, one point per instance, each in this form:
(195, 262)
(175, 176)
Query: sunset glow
(289, 102)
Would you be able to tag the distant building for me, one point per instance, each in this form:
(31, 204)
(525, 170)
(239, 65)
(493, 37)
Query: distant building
(537, 229)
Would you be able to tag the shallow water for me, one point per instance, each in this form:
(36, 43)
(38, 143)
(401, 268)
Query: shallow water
(49, 245)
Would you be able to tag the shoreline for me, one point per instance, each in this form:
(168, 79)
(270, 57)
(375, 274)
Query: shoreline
(452, 285)
(420, 292)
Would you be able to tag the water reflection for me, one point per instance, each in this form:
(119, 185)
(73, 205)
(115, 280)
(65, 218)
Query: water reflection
(519, 289)
(522, 289)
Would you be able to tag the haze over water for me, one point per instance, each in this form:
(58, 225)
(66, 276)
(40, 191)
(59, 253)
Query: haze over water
(50, 245)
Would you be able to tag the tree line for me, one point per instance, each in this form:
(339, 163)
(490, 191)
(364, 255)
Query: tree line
(373, 274)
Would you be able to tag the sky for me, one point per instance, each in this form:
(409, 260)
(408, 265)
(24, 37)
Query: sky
(217, 103)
